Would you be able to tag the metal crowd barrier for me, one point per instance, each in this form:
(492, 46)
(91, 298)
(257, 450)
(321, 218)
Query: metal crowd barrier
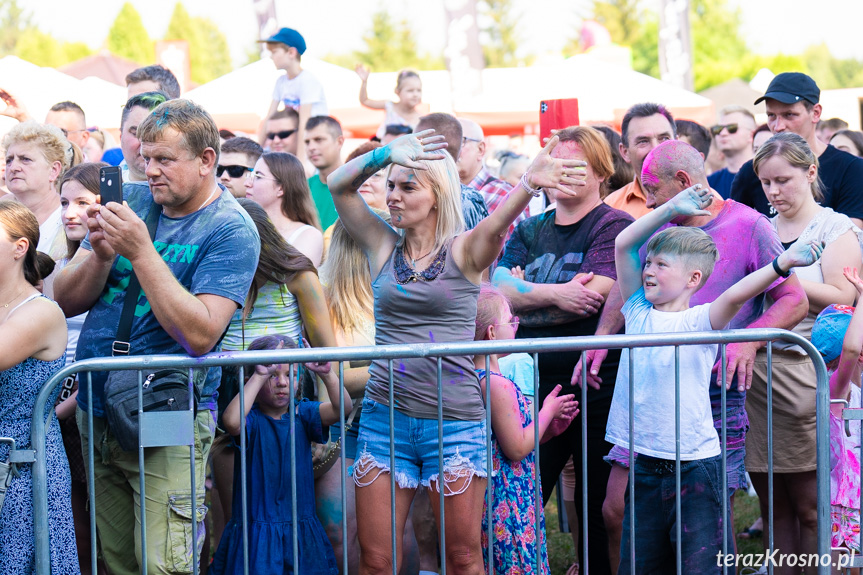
(157, 431)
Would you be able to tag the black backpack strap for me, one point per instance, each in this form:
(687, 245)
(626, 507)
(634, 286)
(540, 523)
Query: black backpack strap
(124, 330)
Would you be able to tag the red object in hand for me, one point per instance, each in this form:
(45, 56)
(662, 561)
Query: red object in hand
(556, 115)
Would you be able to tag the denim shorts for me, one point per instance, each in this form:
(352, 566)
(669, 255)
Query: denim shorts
(416, 449)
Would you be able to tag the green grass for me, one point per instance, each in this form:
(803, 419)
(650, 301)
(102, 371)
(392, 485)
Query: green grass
(561, 551)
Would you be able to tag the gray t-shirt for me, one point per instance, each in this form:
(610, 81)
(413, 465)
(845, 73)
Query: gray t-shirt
(440, 310)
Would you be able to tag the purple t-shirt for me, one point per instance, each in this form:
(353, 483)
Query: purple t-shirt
(746, 242)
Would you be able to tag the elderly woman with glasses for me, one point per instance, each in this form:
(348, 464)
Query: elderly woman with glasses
(279, 185)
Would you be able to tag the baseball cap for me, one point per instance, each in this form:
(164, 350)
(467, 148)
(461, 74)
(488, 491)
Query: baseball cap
(828, 333)
(289, 37)
(791, 87)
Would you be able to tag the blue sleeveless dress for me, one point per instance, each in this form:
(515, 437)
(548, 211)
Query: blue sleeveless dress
(268, 475)
(19, 386)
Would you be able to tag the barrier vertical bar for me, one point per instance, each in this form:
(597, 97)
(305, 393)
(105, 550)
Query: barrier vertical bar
(142, 486)
(770, 450)
(537, 485)
(822, 475)
(343, 467)
(91, 476)
(440, 480)
(489, 465)
(195, 561)
(631, 483)
(726, 528)
(295, 372)
(243, 483)
(677, 502)
(393, 467)
(583, 406)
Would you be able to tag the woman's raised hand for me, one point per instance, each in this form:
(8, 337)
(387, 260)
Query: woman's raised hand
(408, 150)
(555, 173)
(362, 72)
(692, 201)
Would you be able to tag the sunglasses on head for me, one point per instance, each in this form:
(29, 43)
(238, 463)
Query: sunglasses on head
(233, 171)
(717, 129)
(283, 135)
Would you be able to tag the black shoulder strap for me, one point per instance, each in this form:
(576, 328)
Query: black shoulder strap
(124, 330)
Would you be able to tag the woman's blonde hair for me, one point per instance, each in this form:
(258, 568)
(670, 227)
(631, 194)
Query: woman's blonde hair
(347, 279)
(441, 176)
(49, 139)
(794, 150)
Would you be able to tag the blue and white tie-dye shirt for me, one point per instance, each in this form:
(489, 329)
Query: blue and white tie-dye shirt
(211, 251)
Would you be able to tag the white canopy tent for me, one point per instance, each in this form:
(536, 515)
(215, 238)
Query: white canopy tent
(40, 88)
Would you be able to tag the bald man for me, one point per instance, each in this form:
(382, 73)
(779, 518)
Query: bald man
(472, 172)
(746, 242)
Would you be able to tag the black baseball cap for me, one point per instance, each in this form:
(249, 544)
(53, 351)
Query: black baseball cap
(791, 87)
(289, 37)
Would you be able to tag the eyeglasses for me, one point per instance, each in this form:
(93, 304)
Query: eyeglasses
(233, 171)
(260, 176)
(465, 139)
(717, 129)
(513, 322)
(283, 135)
(67, 132)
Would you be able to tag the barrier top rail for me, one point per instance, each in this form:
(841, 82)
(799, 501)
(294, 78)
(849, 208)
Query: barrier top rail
(404, 351)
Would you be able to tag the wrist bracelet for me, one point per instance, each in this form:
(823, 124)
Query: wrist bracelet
(778, 270)
(535, 192)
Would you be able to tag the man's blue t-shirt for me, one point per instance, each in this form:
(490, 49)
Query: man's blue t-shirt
(211, 251)
(720, 181)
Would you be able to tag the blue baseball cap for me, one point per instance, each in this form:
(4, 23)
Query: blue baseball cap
(828, 333)
(289, 37)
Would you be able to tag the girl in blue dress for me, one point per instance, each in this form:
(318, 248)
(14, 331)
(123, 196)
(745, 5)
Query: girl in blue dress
(514, 537)
(269, 438)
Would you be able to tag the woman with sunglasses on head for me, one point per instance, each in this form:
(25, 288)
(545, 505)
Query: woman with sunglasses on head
(426, 276)
(278, 184)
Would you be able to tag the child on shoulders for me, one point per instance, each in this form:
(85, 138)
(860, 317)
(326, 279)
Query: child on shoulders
(679, 261)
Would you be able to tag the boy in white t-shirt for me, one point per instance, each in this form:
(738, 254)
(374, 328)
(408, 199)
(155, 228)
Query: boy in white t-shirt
(297, 89)
(679, 261)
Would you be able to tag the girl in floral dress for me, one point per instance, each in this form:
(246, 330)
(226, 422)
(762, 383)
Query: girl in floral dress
(513, 458)
(844, 363)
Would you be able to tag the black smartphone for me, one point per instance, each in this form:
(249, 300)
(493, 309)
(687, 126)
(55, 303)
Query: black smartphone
(110, 185)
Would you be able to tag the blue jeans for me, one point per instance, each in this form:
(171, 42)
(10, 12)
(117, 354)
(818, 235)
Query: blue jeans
(655, 517)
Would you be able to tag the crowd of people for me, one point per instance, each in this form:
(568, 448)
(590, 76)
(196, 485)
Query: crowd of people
(228, 242)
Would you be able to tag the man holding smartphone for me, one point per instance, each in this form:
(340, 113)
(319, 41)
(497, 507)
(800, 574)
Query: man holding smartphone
(194, 275)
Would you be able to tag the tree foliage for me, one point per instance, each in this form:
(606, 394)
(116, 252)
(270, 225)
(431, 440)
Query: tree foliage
(128, 38)
(209, 56)
(500, 34)
(719, 50)
(389, 46)
(13, 22)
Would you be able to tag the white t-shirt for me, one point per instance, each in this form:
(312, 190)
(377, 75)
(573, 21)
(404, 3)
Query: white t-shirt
(304, 89)
(654, 386)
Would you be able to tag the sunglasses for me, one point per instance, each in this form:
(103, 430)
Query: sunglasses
(233, 171)
(283, 135)
(513, 322)
(67, 132)
(717, 129)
